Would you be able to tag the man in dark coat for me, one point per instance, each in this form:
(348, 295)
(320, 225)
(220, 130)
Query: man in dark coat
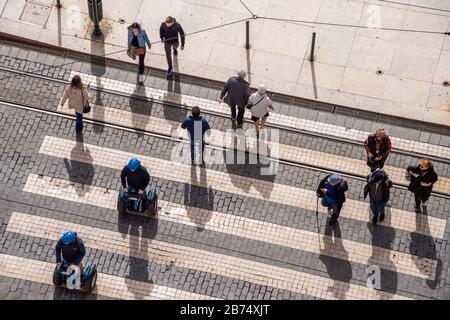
(378, 146)
(332, 190)
(168, 32)
(135, 176)
(236, 93)
(377, 187)
(72, 249)
(197, 126)
(423, 177)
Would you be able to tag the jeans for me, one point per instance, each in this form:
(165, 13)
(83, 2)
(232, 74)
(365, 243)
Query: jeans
(377, 207)
(79, 122)
(335, 207)
(202, 151)
(141, 63)
(168, 49)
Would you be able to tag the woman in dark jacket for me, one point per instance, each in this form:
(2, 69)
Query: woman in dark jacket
(423, 177)
(377, 187)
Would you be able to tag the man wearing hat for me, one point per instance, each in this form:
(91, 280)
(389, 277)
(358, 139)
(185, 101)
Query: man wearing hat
(332, 190)
(236, 93)
(378, 185)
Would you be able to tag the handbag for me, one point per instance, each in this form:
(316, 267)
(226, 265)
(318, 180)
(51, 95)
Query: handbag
(87, 106)
(132, 52)
(140, 51)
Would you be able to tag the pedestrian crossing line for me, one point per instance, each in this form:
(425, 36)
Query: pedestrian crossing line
(196, 259)
(107, 285)
(275, 118)
(234, 184)
(281, 151)
(246, 228)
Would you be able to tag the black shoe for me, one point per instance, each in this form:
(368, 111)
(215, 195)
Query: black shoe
(374, 220)
(169, 71)
(381, 217)
(424, 209)
(418, 211)
(175, 52)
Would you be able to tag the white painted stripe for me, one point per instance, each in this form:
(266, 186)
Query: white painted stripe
(195, 259)
(278, 119)
(107, 285)
(247, 228)
(225, 139)
(254, 188)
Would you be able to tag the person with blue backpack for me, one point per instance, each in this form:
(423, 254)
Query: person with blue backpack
(331, 190)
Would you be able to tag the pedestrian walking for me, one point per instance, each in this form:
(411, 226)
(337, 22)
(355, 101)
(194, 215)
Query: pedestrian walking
(197, 126)
(78, 96)
(422, 178)
(236, 93)
(137, 41)
(377, 187)
(378, 146)
(332, 190)
(168, 32)
(259, 103)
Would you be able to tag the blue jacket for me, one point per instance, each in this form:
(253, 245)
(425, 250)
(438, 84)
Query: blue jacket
(334, 194)
(142, 38)
(71, 253)
(190, 124)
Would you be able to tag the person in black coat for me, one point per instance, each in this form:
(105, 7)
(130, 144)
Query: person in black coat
(377, 187)
(378, 146)
(168, 32)
(236, 92)
(332, 190)
(71, 248)
(423, 177)
(135, 176)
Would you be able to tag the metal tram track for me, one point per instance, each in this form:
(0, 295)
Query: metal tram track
(221, 115)
(168, 137)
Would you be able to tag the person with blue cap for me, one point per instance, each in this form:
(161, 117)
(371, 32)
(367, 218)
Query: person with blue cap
(332, 190)
(71, 248)
(135, 176)
(377, 187)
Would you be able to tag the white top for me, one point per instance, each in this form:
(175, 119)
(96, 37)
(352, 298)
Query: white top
(260, 109)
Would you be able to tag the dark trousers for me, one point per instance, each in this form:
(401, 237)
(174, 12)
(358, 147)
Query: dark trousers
(374, 164)
(202, 150)
(240, 114)
(335, 207)
(141, 63)
(420, 199)
(377, 207)
(79, 122)
(168, 49)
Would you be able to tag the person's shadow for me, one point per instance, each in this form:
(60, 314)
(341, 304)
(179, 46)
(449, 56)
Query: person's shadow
(140, 232)
(244, 161)
(80, 172)
(173, 96)
(98, 69)
(196, 197)
(424, 246)
(383, 237)
(141, 110)
(339, 270)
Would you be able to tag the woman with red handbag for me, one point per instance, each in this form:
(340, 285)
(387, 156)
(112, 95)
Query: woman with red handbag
(137, 39)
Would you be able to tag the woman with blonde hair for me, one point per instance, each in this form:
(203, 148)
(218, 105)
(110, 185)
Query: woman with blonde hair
(423, 177)
(78, 96)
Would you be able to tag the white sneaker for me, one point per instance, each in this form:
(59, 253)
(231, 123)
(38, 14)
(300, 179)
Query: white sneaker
(141, 78)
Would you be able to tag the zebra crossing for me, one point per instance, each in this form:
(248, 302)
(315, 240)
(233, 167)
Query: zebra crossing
(203, 259)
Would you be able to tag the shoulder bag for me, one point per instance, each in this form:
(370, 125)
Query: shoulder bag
(87, 106)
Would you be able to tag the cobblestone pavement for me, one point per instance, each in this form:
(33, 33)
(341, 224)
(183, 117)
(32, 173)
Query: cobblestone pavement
(222, 231)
